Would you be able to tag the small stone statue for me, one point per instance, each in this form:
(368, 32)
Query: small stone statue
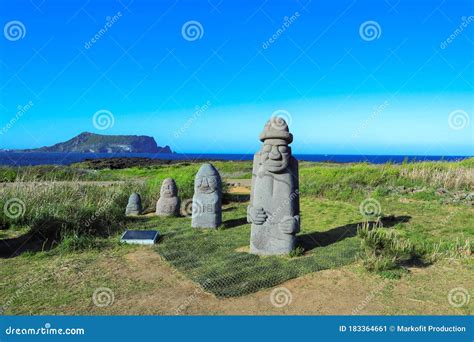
(168, 204)
(207, 211)
(274, 209)
(134, 206)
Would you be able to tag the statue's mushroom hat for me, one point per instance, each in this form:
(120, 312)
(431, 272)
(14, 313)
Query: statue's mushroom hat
(276, 128)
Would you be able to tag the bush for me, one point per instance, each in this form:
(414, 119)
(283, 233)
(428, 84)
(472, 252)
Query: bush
(7, 174)
(384, 250)
(297, 252)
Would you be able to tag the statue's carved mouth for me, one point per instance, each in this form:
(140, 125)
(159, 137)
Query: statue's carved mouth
(206, 189)
(274, 163)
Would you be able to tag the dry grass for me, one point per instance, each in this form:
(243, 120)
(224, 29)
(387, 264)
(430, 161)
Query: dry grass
(449, 178)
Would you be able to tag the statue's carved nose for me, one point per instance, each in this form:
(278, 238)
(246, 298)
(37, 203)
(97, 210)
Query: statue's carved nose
(275, 154)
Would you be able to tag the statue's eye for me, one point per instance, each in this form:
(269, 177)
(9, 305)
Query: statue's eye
(267, 148)
(283, 149)
(212, 182)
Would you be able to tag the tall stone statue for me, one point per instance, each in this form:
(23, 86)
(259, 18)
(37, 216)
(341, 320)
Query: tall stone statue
(134, 206)
(168, 204)
(274, 209)
(207, 210)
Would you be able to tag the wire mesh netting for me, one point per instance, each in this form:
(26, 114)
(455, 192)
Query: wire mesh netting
(219, 262)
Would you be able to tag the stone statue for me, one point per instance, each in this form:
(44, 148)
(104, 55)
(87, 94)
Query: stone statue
(207, 211)
(168, 204)
(134, 206)
(274, 209)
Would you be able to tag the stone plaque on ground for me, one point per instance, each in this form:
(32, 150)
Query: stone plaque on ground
(140, 237)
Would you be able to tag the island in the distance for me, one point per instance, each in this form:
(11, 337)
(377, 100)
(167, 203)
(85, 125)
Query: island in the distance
(97, 143)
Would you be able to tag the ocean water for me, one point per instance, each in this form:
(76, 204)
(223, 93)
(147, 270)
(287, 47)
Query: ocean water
(52, 158)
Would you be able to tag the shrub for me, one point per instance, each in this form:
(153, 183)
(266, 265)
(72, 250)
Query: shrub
(384, 250)
(298, 251)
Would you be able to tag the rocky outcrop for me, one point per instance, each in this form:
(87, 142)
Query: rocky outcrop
(96, 143)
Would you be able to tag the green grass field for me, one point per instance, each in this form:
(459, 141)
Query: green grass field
(64, 229)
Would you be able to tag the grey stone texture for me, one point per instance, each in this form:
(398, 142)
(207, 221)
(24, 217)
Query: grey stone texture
(207, 206)
(134, 206)
(168, 203)
(274, 209)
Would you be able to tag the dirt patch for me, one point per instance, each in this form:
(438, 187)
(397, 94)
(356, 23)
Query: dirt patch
(239, 186)
(169, 292)
(239, 190)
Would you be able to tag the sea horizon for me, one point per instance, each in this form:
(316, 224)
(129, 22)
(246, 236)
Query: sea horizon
(15, 159)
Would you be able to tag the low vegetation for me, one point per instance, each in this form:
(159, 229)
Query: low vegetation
(426, 215)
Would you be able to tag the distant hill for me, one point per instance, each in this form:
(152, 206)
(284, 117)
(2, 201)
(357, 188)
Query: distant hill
(97, 143)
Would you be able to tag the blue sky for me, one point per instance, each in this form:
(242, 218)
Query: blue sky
(405, 90)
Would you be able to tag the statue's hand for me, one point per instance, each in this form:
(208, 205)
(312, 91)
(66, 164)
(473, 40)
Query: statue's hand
(256, 215)
(290, 225)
